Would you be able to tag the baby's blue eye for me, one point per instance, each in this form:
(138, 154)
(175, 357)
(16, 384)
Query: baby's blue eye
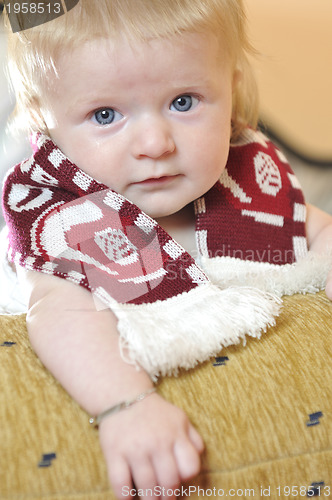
(106, 116)
(183, 103)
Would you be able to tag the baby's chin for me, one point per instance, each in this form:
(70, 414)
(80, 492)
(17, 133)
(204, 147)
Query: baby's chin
(164, 214)
(162, 211)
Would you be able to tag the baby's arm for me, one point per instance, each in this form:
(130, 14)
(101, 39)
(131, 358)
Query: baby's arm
(319, 235)
(152, 442)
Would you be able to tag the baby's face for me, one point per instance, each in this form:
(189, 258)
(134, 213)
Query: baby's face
(152, 122)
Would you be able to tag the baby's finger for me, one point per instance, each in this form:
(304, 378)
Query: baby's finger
(144, 478)
(196, 439)
(187, 458)
(120, 478)
(168, 477)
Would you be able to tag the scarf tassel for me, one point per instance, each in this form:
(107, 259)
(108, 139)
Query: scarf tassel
(180, 332)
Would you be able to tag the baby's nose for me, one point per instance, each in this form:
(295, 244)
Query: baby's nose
(153, 138)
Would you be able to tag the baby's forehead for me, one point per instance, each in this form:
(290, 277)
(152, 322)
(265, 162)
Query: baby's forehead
(120, 48)
(104, 65)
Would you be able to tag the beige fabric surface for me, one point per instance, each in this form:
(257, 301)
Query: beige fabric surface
(253, 410)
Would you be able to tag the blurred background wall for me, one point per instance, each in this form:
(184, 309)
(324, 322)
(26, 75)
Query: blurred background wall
(294, 71)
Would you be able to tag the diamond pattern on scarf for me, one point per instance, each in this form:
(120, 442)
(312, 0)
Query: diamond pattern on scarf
(116, 246)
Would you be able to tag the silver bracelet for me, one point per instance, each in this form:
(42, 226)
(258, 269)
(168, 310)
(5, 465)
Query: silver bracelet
(95, 421)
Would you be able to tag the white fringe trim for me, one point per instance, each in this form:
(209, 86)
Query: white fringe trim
(192, 327)
(307, 275)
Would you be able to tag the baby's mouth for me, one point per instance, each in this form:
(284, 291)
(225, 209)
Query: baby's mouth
(158, 180)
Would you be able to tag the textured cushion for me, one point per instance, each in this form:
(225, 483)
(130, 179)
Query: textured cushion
(264, 411)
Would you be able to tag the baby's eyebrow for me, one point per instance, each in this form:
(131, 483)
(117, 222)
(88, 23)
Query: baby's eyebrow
(78, 103)
(206, 83)
(86, 103)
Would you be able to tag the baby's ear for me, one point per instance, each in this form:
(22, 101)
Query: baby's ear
(237, 77)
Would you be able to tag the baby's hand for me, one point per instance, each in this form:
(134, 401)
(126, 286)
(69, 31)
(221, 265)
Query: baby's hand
(150, 444)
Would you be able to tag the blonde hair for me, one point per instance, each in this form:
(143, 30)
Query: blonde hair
(33, 52)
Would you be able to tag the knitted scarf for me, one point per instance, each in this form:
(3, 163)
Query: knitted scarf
(170, 314)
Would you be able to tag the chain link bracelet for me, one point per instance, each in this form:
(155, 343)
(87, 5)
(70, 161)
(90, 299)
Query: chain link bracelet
(95, 421)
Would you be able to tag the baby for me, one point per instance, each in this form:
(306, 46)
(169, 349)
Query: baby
(142, 108)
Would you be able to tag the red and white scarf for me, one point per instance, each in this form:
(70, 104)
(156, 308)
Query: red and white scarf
(63, 222)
